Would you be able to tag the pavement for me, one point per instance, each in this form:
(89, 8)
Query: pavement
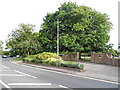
(91, 70)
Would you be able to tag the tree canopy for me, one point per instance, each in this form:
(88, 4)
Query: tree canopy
(23, 40)
(81, 29)
(1, 47)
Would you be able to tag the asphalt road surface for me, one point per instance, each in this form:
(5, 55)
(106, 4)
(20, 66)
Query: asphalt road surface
(22, 76)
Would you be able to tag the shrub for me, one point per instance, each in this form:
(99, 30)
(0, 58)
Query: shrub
(59, 62)
(72, 65)
(30, 58)
(18, 59)
(53, 61)
(81, 66)
(46, 55)
(37, 61)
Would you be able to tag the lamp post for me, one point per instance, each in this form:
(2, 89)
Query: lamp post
(58, 37)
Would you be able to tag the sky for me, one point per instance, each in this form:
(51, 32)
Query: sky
(15, 12)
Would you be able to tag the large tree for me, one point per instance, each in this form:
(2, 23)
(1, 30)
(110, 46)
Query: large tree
(1, 46)
(23, 40)
(81, 29)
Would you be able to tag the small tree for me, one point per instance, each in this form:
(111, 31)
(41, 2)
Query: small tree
(1, 48)
(24, 41)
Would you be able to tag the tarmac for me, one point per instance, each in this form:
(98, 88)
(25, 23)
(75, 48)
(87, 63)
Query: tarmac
(91, 70)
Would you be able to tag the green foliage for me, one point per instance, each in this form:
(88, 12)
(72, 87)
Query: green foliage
(23, 41)
(53, 61)
(46, 55)
(49, 58)
(1, 48)
(6, 52)
(72, 65)
(109, 48)
(99, 52)
(18, 59)
(81, 29)
(59, 62)
(81, 66)
(30, 58)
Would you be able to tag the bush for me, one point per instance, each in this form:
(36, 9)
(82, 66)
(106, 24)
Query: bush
(18, 59)
(30, 58)
(37, 61)
(59, 62)
(81, 66)
(53, 61)
(41, 57)
(72, 65)
(46, 55)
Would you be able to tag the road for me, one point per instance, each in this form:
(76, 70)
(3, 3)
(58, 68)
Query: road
(22, 76)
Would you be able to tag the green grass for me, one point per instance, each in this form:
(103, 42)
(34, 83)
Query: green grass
(86, 59)
(17, 59)
(117, 57)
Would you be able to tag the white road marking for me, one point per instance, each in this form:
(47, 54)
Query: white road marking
(101, 80)
(11, 75)
(73, 75)
(5, 67)
(65, 87)
(4, 84)
(25, 74)
(29, 84)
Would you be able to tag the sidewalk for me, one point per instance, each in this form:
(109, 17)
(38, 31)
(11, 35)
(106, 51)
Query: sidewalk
(92, 70)
(101, 71)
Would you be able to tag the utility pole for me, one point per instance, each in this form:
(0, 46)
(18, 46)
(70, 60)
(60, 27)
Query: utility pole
(58, 37)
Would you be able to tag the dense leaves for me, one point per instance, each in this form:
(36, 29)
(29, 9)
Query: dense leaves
(1, 47)
(53, 59)
(24, 41)
(81, 29)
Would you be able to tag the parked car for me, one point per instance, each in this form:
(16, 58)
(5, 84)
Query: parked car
(4, 56)
(17, 56)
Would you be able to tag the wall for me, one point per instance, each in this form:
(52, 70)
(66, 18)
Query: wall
(104, 59)
(70, 57)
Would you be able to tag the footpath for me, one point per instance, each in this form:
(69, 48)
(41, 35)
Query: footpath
(92, 70)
